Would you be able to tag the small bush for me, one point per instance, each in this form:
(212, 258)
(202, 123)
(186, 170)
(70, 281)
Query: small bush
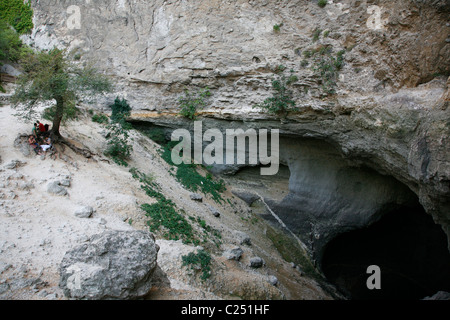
(322, 3)
(18, 14)
(199, 261)
(192, 102)
(316, 34)
(307, 54)
(327, 67)
(118, 147)
(188, 176)
(120, 110)
(11, 47)
(282, 100)
(100, 118)
(277, 27)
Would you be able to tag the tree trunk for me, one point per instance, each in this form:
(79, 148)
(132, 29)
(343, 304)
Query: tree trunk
(58, 116)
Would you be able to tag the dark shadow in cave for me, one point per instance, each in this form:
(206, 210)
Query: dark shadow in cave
(410, 249)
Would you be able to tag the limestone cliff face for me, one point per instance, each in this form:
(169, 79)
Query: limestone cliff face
(389, 111)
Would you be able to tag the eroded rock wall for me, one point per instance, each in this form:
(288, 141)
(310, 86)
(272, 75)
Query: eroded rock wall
(390, 107)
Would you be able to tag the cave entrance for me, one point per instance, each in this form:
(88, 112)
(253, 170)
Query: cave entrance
(410, 249)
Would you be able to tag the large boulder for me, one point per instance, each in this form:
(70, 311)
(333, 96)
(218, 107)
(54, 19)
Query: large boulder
(113, 265)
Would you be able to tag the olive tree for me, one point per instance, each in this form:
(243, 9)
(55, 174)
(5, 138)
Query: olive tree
(52, 76)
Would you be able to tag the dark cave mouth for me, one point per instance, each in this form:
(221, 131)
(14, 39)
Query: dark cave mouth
(408, 247)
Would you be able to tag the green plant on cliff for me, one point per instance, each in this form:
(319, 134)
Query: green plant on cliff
(277, 27)
(120, 110)
(326, 66)
(18, 14)
(281, 102)
(191, 102)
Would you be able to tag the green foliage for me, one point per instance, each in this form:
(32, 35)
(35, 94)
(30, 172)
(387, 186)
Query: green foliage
(163, 214)
(307, 54)
(120, 110)
(50, 75)
(166, 152)
(291, 251)
(119, 148)
(18, 14)
(100, 118)
(11, 47)
(327, 68)
(277, 27)
(199, 261)
(322, 3)
(70, 112)
(142, 177)
(190, 103)
(282, 100)
(156, 134)
(189, 177)
(316, 34)
(208, 229)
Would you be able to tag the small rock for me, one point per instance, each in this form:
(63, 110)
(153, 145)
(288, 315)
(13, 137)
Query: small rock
(4, 287)
(273, 280)
(55, 188)
(196, 197)
(233, 254)
(256, 262)
(14, 164)
(243, 238)
(65, 183)
(84, 212)
(25, 185)
(299, 270)
(440, 295)
(51, 296)
(214, 211)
